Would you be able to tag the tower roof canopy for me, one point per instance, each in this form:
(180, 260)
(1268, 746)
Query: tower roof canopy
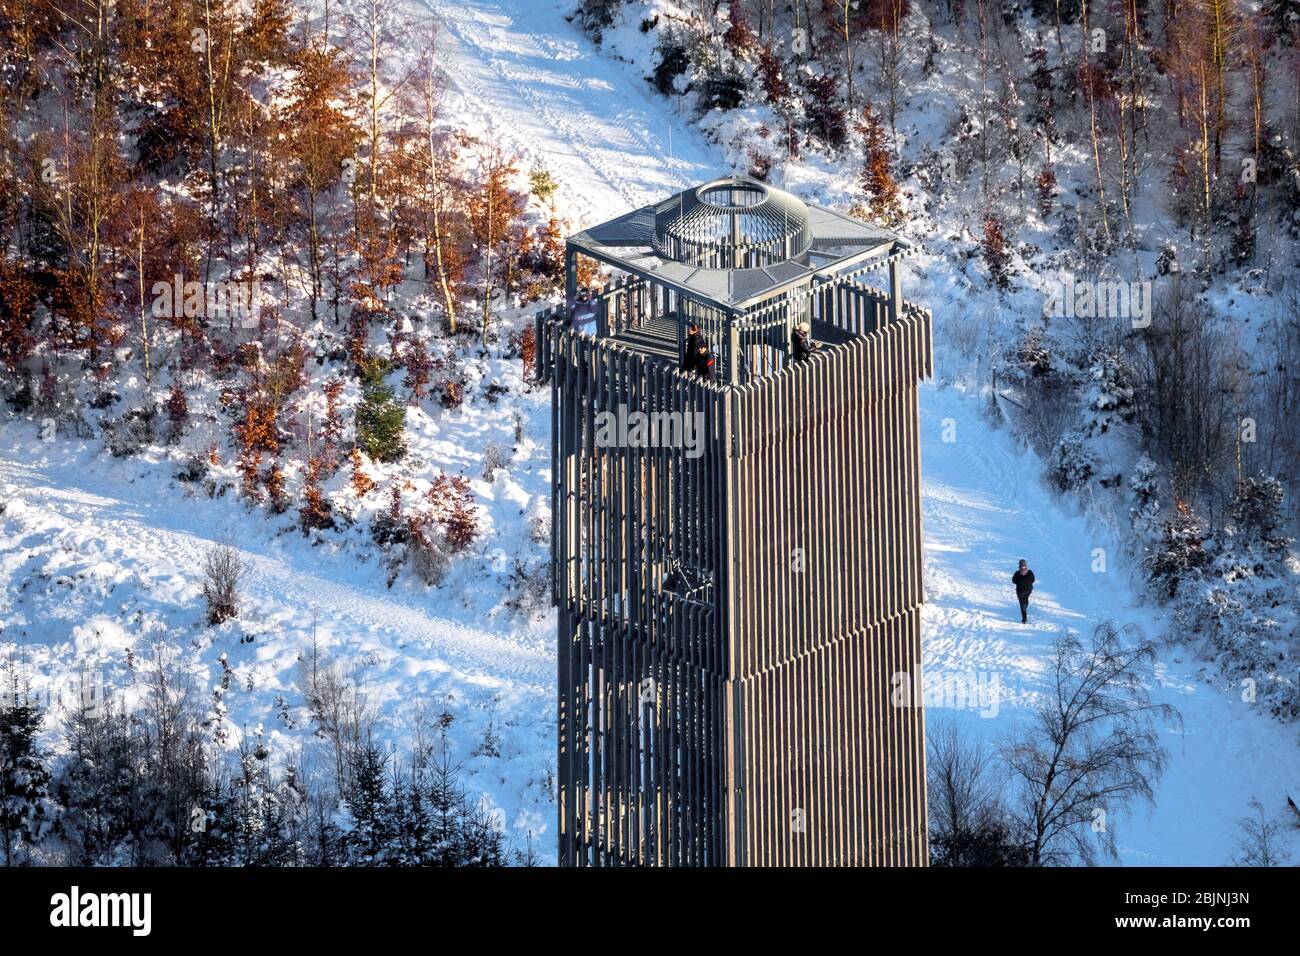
(735, 241)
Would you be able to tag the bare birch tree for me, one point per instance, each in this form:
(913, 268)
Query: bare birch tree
(1094, 747)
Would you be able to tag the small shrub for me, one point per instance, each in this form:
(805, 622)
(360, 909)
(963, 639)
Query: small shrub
(596, 15)
(494, 457)
(454, 509)
(1146, 484)
(1073, 464)
(1113, 383)
(429, 557)
(427, 550)
(989, 842)
(105, 397)
(178, 411)
(361, 482)
(529, 587)
(884, 205)
(673, 61)
(1256, 510)
(275, 489)
(24, 396)
(390, 527)
(451, 393)
(130, 434)
(724, 90)
(223, 570)
(539, 520)
(178, 406)
(462, 526)
(490, 745)
(332, 428)
(194, 469)
(994, 249)
(1031, 356)
(1046, 189)
(542, 184)
(316, 511)
(826, 117)
(528, 352)
(771, 75)
(1180, 553)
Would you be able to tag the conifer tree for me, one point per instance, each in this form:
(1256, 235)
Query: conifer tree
(27, 813)
(380, 419)
(371, 804)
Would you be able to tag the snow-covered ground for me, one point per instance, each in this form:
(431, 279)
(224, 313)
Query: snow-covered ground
(101, 561)
(98, 556)
(523, 75)
(984, 508)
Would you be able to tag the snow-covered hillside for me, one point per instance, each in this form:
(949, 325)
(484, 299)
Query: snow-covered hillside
(103, 559)
(102, 556)
(522, 72)
(985, 503)
(985, 506)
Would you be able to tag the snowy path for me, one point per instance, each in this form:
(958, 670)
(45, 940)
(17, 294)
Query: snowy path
(132, 525)
(984, 508)
(519, 72)
(101, 559)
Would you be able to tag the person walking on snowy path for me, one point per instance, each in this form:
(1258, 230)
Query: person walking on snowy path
(1023, 579)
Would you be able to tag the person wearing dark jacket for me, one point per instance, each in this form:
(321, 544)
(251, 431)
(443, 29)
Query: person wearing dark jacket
(691, 347)
(1023, 579)
(801, 342)
(704, 363)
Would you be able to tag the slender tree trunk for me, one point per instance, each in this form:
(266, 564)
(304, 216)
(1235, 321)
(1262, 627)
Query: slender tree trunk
(144, 315)
(449, 301)
(487, 251)
(848, 53)
(313, 250)
(1092, 124)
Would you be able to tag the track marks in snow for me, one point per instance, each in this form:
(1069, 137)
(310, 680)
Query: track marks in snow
(531, 78)
(151, 533)
(984, 507)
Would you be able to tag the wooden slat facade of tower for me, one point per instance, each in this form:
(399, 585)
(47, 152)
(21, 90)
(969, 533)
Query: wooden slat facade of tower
(827, 562)
(750, 723)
